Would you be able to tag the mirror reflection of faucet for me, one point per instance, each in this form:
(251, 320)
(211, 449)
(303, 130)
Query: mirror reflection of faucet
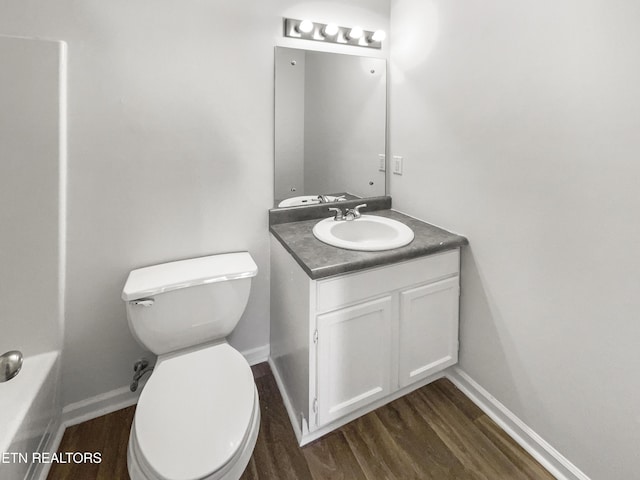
(331, 198)
(311, 200)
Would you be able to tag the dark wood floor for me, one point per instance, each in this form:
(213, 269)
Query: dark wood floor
(433, 433)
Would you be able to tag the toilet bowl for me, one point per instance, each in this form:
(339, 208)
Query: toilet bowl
(198, 415)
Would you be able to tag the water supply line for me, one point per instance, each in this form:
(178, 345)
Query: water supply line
(140, 368)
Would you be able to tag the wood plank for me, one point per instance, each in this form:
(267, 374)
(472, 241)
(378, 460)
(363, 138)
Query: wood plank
(516, 454)
(376, 450)
(84, 437)
(462, 437)
(433, 433)
(260, 370)
(114, 450)
(461, 402)
(276, 454)
(430, 455)
(331, 458)
(108, 435)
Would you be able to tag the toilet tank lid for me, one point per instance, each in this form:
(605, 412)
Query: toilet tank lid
(149, 281)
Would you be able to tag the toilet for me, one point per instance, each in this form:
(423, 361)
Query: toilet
(198, 415)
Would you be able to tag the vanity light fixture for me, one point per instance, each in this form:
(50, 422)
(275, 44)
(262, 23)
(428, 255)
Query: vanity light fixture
(355, 33)
(330, 30)
(332, 33)
(305, 26)
(378, 36)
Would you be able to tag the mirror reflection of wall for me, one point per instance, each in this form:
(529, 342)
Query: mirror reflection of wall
(330, 124)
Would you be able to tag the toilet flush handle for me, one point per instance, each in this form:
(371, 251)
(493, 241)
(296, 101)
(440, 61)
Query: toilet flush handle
(143, 302)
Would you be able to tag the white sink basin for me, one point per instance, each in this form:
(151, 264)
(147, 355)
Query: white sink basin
(368, 233)
(308, 200)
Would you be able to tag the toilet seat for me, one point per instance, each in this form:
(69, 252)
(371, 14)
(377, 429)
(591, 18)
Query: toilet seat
(195, 413)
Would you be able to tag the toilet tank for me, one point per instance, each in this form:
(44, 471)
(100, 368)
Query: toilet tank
(186, 303)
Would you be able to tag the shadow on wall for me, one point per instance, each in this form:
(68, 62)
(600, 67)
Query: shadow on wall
(486, 342)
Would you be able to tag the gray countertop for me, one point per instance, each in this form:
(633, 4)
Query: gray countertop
(320, 260)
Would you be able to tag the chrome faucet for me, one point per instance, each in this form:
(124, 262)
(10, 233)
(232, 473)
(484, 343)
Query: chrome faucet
(323, 199)
(353, 213)
(10, 365)
(349, 215)
(339, 215)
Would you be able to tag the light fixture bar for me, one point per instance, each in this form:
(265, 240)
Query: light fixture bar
(321, 32)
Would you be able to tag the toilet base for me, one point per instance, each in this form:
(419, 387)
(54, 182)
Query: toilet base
(232, 470)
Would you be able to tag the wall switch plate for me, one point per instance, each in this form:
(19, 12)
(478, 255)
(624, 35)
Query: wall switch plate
(397, 165)
(381, 162)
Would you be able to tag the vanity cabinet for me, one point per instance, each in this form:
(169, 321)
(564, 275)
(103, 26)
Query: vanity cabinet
(354, 352)
(428, 330)
(344, 345)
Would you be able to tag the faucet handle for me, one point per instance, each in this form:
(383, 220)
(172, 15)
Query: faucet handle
(356, 210)
(353, 213)
(339, 215)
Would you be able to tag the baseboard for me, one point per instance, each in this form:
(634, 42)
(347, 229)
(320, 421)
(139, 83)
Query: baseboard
(122, 397)
(525, 436)
(52, 436)
(41, 471)
(99, 405)
(559, 466)
(257, 355)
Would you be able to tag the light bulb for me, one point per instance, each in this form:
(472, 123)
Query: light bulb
(330, 30)
(306, 26)
(378, 36)
(355, 33)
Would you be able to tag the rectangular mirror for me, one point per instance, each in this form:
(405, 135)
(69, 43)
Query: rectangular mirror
(330, 127)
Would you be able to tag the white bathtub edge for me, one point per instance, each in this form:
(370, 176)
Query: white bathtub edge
(21, 393)
(35, 391)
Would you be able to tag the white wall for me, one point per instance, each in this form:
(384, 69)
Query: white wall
(170, 150)
(31, 210)
(519, 124)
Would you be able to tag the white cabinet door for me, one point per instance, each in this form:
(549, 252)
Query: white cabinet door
(354, 358)
(428, 329)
